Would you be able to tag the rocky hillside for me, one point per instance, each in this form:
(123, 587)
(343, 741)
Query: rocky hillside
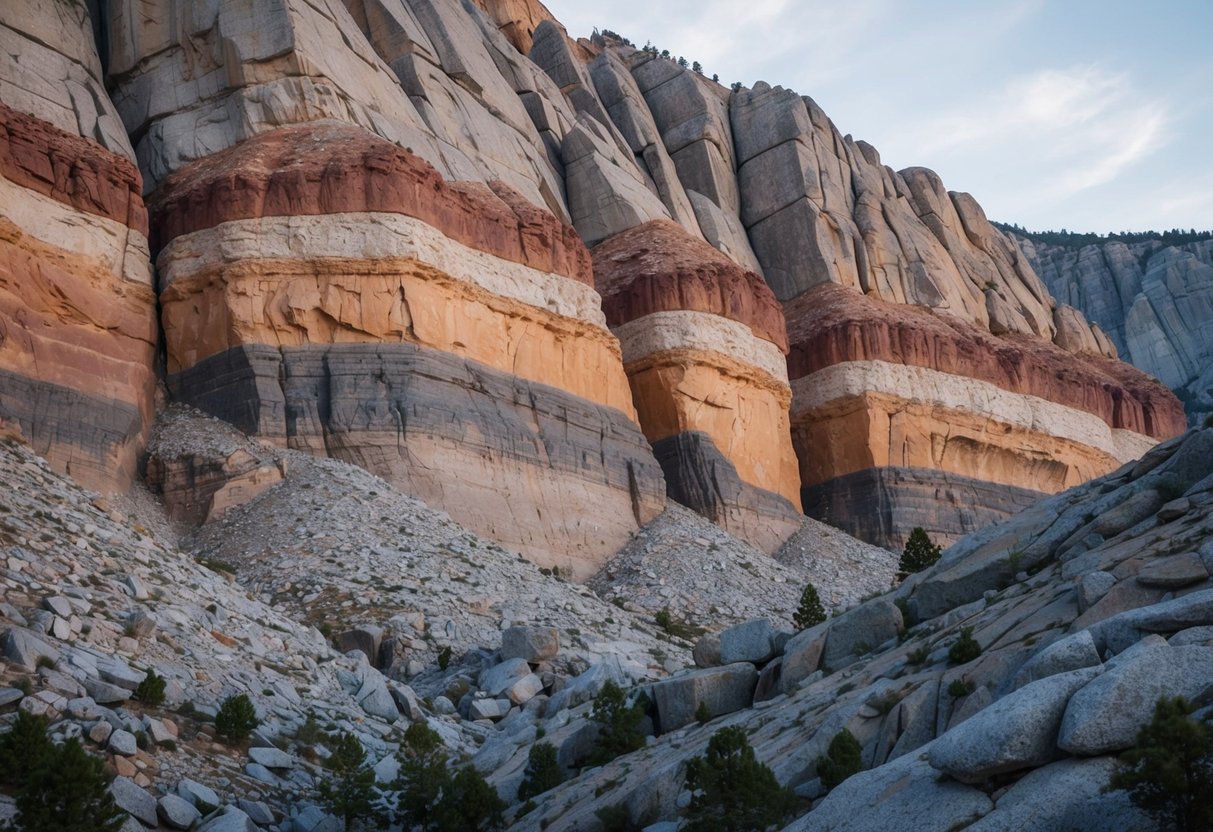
(541, 284)
(1154, 300)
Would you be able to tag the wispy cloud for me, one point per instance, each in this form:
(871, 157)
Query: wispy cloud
(1082, 127)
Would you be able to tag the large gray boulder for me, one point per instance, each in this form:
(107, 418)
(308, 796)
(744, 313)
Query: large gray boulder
(904, 794)
(749, 641)
(24, 647)
(233, 820)
(1016, 732)
(534, 644)
(1066, 796)
(134, 800)
(499, 678)
(859, 631)
(802, 655)
(723, 689)
(177, 812)
(1070, 653)
(1107, 714)
(1125, 629)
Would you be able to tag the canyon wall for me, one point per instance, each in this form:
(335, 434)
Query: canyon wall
(77, 307)
(370, 220)
(1154, 300)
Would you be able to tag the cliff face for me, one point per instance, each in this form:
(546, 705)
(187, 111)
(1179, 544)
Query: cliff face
(77, 307)
(370, 218)
(1155, 301)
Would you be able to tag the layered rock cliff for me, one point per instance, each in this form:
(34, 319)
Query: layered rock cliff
(77, 306)
(361, 219)
(1154, 300)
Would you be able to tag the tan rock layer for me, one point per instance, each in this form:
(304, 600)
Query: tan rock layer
(830, 324)
(70, 169)
(517, 19)
(65, 319)
(743, 410)
(878, 430)
(659, 267)
(291, 302)
(328, 168)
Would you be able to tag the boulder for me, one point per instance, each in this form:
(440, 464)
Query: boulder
(1106, 715)
(1070, 653)
(525, 689)
(802, 655)
(177, 812)
(204, 797)
(134, 800)
(532, 644)
(1125, 629)
(750, 641)
(232, 820)
(706, 652)
(1093, 586)
(1066, 795)
(859, 631)
(365, 639)
(488, 709)
(723, 689)
(904, 794)
(1173, 572)
(271, 758)
(499, 678)
(1016, 732)
(104, 693)
(23, 648)
(123, 743)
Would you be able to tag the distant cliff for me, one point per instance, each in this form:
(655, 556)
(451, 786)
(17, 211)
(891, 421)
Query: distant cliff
(1154, 300)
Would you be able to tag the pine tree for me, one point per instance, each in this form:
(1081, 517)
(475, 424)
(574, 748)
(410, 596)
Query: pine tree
(469, 804)
(1169, 772)
(619, 725)
(919, 552)
(351, 793)
(543, 772)
(731, 791)
(67, 792)
(236, 718)
(811, 611)
(422, 777)
(24, 748)
(151, 690)
(843, 758)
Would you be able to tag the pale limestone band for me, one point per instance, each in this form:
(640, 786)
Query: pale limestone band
(370, 235)
(856, 378)
(684, 329)
(107, 242)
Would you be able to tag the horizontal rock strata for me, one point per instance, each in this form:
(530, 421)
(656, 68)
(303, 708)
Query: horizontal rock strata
(344, 299)
(952, 426)
(77, 320)
(703, 343)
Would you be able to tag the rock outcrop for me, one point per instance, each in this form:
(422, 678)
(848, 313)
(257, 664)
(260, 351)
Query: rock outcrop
(1154, 300)
(905, 417)
(77, 307)
(327, 290)
(703, 344)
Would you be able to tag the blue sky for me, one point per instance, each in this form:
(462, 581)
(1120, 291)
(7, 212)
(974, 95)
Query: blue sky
(1093, 115)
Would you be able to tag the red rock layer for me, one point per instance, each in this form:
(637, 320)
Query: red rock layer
(830, 324)
(659, 267)
(70, 169)
(328, 168)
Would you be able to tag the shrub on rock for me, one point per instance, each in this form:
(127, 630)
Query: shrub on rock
(965, 649)
(731, 790)
(59, 788)
(151, 690)
(811, 611)
(542, 771)
(350, 794)
(919, 552)
(1169, 772)
(843, 758)
(236, 718)
(619, 725)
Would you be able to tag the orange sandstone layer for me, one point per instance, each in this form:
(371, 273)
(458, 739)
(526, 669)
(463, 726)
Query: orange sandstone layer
(77, 319)
(317, 301)
(703, 343)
